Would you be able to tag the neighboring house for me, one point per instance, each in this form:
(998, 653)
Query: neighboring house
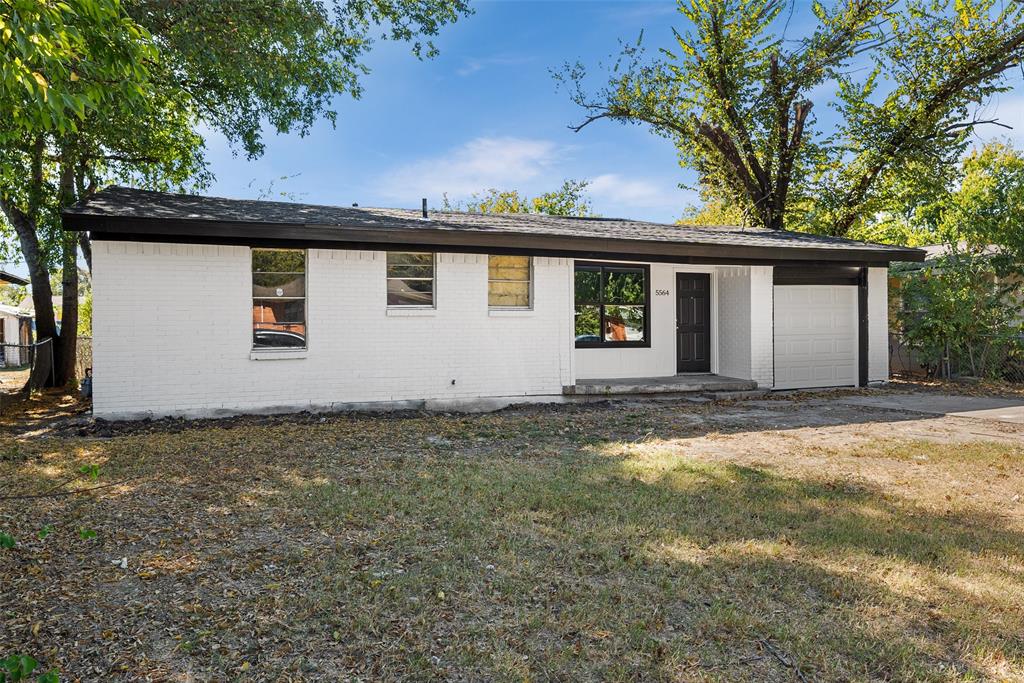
(15, 327)
(15, 336)
(28, 306)
(206, 306)
(12, 279)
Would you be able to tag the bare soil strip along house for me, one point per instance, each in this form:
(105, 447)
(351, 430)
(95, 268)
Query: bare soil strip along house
(205, 306)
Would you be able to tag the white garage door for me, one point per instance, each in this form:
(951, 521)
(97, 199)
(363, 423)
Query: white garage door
(815, 336)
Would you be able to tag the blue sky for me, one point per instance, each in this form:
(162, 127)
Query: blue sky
(485, 113)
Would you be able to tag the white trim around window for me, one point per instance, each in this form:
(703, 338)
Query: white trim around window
(406, 273)
(279, 291)
(512, 281)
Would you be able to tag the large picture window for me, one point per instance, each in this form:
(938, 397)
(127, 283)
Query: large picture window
(278, 299)
(612, 305)
(508, 281)
(410, 278)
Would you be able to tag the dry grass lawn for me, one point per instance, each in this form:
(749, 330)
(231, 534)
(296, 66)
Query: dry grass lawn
(645, 541)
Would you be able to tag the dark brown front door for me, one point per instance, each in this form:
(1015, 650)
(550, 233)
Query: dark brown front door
(693, 322)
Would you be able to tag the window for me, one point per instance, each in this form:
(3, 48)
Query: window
(611, 306)
(508, 281)
(278, 299)
(410, 278)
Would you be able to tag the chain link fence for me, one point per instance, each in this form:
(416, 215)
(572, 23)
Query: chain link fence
(986, 357)
(23, 369)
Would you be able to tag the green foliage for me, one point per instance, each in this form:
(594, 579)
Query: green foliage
(85, 316)
(987, 208)
(86, 534)
(965, 306)
(20, 667)
(735, 98)
(490, 201)
(244, 63)
(12, 295)
(959, 308)
(44, 532)
(91, 470)
(6, 541)
(100, 91)
(60, 61)
(714, 212)
(568, 200)
(978, 205)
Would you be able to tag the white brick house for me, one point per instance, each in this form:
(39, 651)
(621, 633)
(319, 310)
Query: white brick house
(205, 306)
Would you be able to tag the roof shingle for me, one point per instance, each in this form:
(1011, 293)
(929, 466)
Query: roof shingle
(114, 209)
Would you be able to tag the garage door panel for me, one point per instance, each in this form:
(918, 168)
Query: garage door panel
(818, 298)
(815, 336)
(846, 348)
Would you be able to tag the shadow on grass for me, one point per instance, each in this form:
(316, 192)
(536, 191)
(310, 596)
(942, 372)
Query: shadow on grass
(688, 570)
(523, 545)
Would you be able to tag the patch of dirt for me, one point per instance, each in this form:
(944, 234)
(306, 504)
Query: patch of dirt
(620, 540)
(963, 387)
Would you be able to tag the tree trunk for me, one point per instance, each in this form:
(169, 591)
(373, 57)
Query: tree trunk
(39, 276)
(65, 350)
(25, 220)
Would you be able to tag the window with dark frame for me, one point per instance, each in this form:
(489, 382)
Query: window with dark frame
(278, 299)
(611, 306)
(509, 281)
(410, 278)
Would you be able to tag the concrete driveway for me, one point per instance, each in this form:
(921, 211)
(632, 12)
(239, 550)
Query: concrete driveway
(985, 408)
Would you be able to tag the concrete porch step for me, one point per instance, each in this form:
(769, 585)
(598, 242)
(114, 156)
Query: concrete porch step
(676, 384)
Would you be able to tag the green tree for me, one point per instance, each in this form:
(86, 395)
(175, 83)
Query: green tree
(978, 208)
(986, 209)
(95, 91)
(965, 305)
(76, 80)
(12, 295)
(715, 211)
(568, 200)
(958, 309)
(735, 99)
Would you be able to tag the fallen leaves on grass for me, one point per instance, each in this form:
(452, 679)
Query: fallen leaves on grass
(650, 541)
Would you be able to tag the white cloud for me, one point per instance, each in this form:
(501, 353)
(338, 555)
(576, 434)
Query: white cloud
(502, 162)
(614, 189)
(474, 64)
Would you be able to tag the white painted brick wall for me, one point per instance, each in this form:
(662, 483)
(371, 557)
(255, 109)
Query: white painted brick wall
(745, 319)
(734, 322)
(762, 326)
(878, 324)
(172, 334)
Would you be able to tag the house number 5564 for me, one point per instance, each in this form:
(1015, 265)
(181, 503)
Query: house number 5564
(661, 292)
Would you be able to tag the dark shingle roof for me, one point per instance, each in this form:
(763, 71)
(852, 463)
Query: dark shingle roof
(123, 211)
(11, 278)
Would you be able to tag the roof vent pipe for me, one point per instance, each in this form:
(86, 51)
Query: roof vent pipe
(424, 207)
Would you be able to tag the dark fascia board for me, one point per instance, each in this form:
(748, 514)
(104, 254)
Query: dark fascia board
(12, 279)
(827, 275)
(461, 241)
